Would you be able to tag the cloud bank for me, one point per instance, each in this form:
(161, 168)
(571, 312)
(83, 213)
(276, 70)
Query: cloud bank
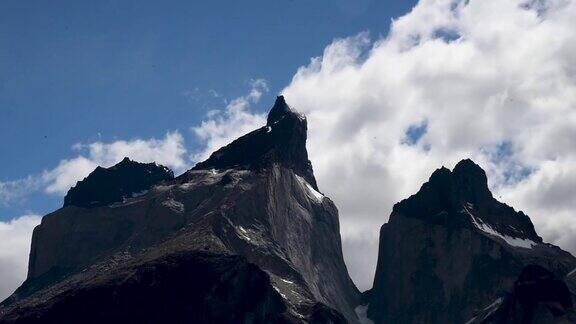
(14, 250)
(491, 80)
(488, 79)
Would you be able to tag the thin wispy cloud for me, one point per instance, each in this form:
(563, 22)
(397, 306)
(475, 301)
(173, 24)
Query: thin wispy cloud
(223, 126)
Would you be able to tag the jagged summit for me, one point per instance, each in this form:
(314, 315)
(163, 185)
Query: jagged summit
(461, 197)
(471, 180)
(278, 111)
(281, 141)
(105, 186)
(467, 182)
(452, 248)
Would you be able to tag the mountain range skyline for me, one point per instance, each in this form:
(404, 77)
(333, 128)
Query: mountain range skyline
(246, 236)
(385, 109)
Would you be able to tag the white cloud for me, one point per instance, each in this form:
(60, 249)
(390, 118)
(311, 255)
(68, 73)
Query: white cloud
(223, 126)
(492, 80)
(169, 151)
(16, 236)
(16, 190)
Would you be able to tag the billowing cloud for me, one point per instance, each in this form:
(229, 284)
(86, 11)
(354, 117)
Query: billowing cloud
(491, 80)
(14, 250)
(488, 79)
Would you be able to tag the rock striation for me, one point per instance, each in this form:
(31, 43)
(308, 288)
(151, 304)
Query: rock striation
(243, 237)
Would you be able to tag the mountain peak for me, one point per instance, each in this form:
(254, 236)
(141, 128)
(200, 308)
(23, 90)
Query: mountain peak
(105, 186)
(278, 111)
(471, 181)
(126, 160)
(461, 197)
(281, 141)
(455, 240)
(467, 181)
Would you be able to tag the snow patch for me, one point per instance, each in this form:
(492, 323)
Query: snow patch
(244, 233)
(362, 314)
(491, 309)
(281, 294)
(312, 193)
(512, 241)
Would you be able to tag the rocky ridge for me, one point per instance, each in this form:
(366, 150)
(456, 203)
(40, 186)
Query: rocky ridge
(451, 248)
(105, 186)
(252, 210)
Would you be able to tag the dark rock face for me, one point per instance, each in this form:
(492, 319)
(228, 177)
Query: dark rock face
(538, 297)
(266, 209)
(282, 141)
(452, 247)
(448, 196)
(171, 289)
(105, 186)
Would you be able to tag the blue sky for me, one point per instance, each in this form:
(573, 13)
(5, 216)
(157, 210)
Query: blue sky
(85, 71)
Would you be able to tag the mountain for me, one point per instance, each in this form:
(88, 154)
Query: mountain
(243, 237)
(449, 251)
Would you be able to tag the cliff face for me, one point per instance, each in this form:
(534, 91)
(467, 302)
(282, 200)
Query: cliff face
(256, 199)
(452, 248)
